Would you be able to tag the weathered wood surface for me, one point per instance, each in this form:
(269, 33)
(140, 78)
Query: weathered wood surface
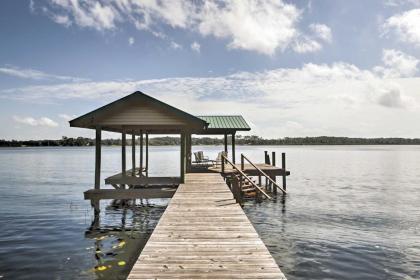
(204, 234)
(129, 179)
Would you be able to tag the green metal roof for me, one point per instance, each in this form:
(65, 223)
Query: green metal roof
(226, 122)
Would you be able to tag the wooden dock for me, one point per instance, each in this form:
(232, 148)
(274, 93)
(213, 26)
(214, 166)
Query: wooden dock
(204, 234)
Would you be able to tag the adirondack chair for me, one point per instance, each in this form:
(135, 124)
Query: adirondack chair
(202, 160)
(218, 160)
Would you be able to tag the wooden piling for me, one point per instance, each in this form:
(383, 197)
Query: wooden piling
(283, 166)
(273, 177)
(266, 157)
(133, 154)
(141, 152)
(273, 158)
(123, 155)
(98, 145)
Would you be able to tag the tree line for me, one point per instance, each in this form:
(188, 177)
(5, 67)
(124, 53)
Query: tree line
(240, 140)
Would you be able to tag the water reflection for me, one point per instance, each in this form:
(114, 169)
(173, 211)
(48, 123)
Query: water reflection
(119, 235)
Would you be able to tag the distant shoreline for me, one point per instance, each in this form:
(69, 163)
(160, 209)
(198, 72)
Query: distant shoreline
(207, 141)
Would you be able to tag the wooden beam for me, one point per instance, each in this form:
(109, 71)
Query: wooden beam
(129, 194)
(233, 148)
(98, 158)
(142, 181)
(133, 154)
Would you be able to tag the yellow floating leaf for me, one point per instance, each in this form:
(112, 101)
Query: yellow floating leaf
(101, 268)
(121, 263)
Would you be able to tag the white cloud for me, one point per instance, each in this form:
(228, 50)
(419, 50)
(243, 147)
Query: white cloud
(315, 99)
(406, 26)
(306, 45)
(62, 19)
(396, 3)
(43, 121)
(263, 26)
(35, 74)
(175, 45)
(241, 86)
(391, 97)
(131, 41)
(195, 47)
(31, 6)
(397, 64)
(321, 31)
(91, 14)
(67, 117)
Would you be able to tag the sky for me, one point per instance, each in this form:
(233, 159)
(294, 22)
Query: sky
(291, 68)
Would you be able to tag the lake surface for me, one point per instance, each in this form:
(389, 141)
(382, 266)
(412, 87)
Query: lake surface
(351, 212)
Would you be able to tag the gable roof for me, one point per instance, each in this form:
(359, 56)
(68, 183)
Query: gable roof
(236, 122)
(97, 117)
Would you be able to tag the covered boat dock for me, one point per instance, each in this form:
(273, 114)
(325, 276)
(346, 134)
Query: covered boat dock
(140, 115)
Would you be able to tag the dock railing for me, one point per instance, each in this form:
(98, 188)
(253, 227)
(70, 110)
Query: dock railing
(238, 180)
(261, 173)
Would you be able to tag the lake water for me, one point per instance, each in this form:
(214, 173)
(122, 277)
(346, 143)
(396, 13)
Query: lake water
(351, 212)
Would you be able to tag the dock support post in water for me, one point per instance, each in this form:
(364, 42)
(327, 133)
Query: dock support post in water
(273, 162)
(123, 155)
(98, 158)
(98, 140)
(283, 166)
(133, 154)
(266, 158)
(141, 153)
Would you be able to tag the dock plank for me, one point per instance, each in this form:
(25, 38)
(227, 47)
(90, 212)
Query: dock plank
(204, 234)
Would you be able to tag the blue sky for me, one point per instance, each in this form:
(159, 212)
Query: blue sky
(292, 68)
